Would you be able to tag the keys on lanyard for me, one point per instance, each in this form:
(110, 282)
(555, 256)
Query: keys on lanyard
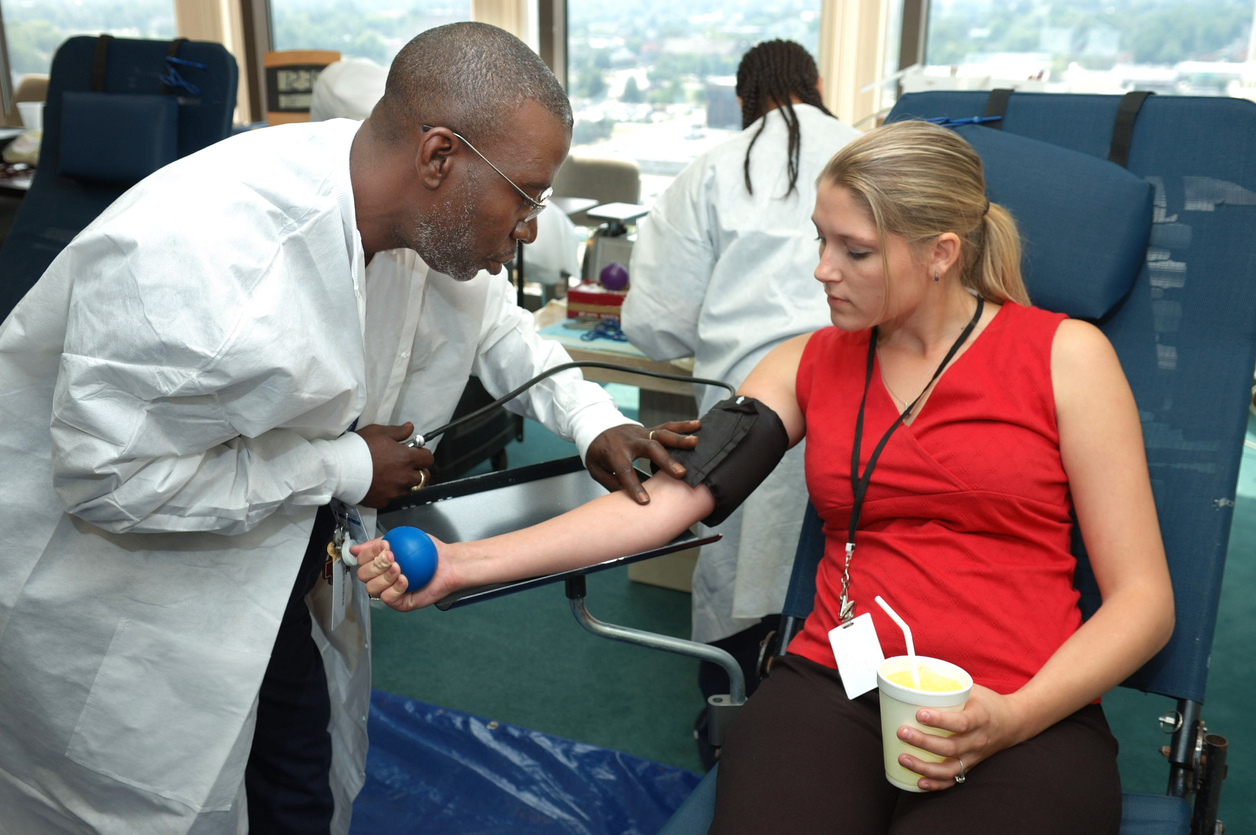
(340, 564)
(859, 482)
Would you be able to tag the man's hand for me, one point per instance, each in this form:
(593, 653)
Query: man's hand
(610, 456)
(396, 467)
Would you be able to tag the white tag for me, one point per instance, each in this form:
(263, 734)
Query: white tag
(858, 652)
(341, 589)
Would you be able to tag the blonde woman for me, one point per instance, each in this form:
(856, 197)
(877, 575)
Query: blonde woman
(995, 421)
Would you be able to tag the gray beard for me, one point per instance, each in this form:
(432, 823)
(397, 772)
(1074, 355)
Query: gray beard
(445, 241)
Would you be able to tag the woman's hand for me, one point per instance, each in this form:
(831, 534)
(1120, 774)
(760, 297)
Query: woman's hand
(987, 724)
(384, 581)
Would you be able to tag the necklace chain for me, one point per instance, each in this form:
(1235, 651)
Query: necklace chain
(886, 383)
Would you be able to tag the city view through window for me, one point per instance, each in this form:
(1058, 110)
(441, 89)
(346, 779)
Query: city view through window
(653, 82)
(374, 29)
(35, 28)
(1184, 47)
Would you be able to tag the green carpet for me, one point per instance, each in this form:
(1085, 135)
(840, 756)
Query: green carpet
(525, 660)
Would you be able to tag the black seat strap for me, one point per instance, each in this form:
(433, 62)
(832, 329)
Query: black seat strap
(996, 107)
(99, 59)
(1123, 127)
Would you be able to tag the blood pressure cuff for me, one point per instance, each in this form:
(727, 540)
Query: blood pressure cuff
(740, 442)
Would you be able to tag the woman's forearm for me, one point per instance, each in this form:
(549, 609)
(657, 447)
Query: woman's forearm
(610, 526)
(1127, 630)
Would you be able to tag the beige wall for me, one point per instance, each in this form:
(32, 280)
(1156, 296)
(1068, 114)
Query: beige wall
(518, 17)
(853, 37)
(219, 21)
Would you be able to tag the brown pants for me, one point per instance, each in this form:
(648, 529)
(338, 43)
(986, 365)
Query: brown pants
(802, 757)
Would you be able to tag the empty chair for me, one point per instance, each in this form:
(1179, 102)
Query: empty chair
(111, 119)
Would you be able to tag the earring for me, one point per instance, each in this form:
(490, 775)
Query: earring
(936, 276)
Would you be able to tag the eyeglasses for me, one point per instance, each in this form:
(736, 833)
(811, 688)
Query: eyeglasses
(538, 206)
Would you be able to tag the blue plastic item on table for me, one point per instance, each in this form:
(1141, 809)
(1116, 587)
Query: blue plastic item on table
(415, 553)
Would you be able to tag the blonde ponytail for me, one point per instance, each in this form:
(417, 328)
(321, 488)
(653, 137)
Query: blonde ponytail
(998, 276)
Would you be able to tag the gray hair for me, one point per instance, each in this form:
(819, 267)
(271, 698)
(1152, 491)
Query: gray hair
(469, 77)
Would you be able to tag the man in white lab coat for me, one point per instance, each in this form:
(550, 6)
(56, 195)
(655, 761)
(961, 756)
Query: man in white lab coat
(178, 400)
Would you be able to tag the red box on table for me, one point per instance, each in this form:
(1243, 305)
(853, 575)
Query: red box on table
(593, 301)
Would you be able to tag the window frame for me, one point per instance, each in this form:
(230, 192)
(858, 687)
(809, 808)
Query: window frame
(6, 74)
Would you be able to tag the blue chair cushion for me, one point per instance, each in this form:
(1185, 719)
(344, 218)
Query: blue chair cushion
(1084, 221)
(1155, 814)
(117, 137)
(695, 814)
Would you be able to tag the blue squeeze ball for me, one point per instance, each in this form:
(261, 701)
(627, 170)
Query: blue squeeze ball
(415, 553)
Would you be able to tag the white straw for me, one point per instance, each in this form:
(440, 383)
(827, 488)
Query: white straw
(911, 647)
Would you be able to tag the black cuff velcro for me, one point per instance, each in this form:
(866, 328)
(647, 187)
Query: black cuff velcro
(740, 442)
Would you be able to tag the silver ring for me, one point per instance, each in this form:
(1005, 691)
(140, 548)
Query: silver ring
(961, 777)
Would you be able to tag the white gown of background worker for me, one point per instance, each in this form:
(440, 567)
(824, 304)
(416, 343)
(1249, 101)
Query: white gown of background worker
(236, 355)
(726, 276)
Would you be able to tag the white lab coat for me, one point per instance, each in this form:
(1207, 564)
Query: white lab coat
(726, 276)
(181, 380)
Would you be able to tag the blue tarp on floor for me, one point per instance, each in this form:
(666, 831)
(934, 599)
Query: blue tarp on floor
(436, 770)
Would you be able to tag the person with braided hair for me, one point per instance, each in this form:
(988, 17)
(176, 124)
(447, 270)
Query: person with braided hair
(773, 76)
(722, 271)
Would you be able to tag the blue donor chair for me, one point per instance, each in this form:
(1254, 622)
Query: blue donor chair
(117, 110)
(1176, 295)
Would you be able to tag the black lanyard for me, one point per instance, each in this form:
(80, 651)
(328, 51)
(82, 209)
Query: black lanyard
(859, 483)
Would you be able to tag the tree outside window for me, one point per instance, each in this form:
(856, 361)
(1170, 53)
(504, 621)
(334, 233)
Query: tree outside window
(1191, 47)
(35, 28)
(374, 29)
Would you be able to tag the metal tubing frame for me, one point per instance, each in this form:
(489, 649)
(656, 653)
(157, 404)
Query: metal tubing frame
(680, 646)
(1182, 750)
(1213, 768)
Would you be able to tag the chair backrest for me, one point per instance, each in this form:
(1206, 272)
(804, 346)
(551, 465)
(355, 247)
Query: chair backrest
(59, 206)
(604, 180)
(1185, 332)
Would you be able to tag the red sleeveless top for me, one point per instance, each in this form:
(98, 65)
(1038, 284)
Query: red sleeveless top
(965, 528)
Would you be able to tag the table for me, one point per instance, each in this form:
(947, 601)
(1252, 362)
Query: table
(573, 205)
(15, 180)
(626, 355)
(16, 186)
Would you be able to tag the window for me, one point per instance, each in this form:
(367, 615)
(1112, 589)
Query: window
(374, 29)
(35, 28)
(654, 82)
(1187, 47)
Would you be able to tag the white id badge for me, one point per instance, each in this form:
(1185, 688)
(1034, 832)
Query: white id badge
(858, 653)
